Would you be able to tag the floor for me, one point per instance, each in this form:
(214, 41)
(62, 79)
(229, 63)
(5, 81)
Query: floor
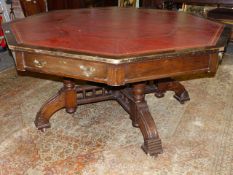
(6, 61)
(100, 140)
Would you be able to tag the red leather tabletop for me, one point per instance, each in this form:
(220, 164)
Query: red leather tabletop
(116, 32)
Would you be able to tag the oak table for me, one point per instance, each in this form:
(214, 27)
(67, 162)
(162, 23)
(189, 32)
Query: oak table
(121, 50)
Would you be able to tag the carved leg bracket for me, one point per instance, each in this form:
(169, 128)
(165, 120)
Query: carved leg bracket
(169, 84)
(152, 143)
(65, 98)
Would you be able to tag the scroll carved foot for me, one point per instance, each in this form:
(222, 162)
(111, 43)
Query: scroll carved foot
(65, 98)
(152, 143)
(181, 94)
(49, 108)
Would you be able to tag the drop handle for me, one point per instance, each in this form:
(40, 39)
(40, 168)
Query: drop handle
(220, 55)
(39, 64)
(88, 71)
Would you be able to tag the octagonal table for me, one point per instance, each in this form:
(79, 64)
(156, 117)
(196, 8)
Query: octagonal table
(121, 50)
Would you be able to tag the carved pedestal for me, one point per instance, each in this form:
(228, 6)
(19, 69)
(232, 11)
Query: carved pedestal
(131, 98)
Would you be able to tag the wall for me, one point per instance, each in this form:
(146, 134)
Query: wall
(17, 9)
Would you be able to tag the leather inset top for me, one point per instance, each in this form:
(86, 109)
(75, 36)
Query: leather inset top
(117, 32)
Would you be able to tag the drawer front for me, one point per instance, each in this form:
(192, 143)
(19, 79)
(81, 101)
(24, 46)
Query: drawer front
(116, 75)
(61, 66)
(170, 67)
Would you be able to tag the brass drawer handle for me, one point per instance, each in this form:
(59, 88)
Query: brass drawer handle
(220, 55)
(88, 71)
(39, 64)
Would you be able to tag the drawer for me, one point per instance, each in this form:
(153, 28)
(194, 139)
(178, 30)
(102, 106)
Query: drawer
(67, 67)
(170, 67)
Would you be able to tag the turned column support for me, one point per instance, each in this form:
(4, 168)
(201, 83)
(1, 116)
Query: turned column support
(70, 96)
(138, 92)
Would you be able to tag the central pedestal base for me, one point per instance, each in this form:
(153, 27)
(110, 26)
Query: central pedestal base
(131, 98)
